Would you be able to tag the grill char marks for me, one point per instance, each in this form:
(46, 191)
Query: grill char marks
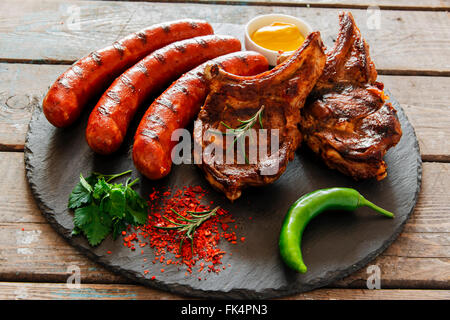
(119, 47)
(142, 68)
(160, 58)
(96, 57)
(142, 36)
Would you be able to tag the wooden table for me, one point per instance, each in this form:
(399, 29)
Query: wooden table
(38, 39)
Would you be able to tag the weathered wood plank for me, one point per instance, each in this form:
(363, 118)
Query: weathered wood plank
(432, 127)
(57, 291)
(38, 253)
(420, 258)
(431, 214)
(49, 31)
(44, 291)
(418, 91)
(384, 4)
(22, 87)
(425, 100)
(346, 294)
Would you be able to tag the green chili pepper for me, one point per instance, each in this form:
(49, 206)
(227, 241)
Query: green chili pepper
(309, 206)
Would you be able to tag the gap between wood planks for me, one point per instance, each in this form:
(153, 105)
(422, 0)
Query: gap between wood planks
(105, 22)
(417, 259)
(27, 290)
(286, 3)
(385, 72)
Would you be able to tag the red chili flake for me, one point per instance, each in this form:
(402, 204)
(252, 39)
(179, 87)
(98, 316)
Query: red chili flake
(243, 239)
(206, 239)
(108, 252)
(153, 278)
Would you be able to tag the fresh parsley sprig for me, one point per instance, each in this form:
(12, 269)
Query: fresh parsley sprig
(102, 207)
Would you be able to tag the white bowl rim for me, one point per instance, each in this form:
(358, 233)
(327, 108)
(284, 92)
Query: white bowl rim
(274, 15)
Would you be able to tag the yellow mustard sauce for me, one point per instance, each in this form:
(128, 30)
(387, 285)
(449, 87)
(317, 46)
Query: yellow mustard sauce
(279, 36)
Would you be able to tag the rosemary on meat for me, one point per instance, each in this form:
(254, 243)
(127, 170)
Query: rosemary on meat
(191, 224)
(241, 131)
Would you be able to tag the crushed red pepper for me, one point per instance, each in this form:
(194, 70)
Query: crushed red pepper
(206, 237)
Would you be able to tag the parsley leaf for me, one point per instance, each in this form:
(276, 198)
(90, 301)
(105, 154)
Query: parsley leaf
(96, 224)
(101, 189)
(137, 207)
(82, 192)
(118, 202)
(102, 208)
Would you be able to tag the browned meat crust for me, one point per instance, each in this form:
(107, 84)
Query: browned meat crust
(282, 91)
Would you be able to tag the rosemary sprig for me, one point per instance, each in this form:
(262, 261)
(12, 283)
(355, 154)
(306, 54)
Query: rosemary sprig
(192, 223)
(241, 131)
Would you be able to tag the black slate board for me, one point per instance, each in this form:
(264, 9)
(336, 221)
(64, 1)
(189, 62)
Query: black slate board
(334, 245)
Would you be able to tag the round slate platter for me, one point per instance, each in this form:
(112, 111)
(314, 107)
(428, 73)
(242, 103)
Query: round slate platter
(335, 243)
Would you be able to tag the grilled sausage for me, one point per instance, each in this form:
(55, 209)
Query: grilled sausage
(177, 107)
(87, 77)
(109, 121)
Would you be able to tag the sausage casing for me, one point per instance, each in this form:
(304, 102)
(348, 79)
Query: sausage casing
(177, 107)
(87, 77)
(110, 119)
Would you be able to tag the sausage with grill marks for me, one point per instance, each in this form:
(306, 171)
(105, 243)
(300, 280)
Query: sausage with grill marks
(177, 107)
(87, 77)
(109, 121)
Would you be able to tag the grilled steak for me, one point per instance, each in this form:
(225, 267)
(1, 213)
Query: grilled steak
(235, 105)
(346, 119)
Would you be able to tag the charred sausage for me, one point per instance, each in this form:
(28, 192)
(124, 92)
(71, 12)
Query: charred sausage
(109, 121)
(87, 77)
(177, 107)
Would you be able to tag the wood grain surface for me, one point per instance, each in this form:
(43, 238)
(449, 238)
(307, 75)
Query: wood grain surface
(384, 4)
(27, 290)
(60, 32)
(410, 50)
(424, 99)
(420, 258)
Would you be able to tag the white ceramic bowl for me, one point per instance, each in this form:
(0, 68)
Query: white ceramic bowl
(265, 20)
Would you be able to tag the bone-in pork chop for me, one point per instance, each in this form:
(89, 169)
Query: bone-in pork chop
(235, 105)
